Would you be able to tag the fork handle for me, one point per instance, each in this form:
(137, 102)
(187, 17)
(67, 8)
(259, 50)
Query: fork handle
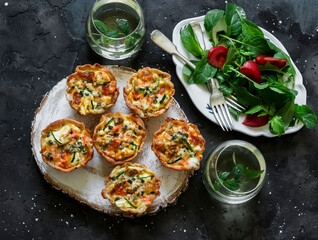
(163, 42)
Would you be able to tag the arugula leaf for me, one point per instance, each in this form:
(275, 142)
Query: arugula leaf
(234, 113)
(123, 25)
(101, 26)
(212, 18)
(306, 115)
(277, 125)
(190, 41)
(249, 28)
(251, 174)
(233, 16)
(256, 109)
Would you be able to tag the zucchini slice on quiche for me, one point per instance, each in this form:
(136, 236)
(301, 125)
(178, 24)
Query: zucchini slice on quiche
(119, 137)
(132, 187)
(66, 145)
(149, 92)
(179, 145)
(92, 89)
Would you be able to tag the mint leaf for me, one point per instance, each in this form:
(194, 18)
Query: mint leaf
(237, 171)
(231, 185)
(112, 33)
(101, 26)
(306, 115)
(123, 25)
(251, 174)
(224, 175)
(277, 125)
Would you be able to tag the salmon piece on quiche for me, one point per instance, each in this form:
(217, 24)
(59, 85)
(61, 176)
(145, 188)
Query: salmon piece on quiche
(149, 92)
(179, 145)
(91, 89)
(119, 137)
(132, 187)
(66, 145)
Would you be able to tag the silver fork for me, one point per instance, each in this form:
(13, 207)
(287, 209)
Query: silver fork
(220, 108)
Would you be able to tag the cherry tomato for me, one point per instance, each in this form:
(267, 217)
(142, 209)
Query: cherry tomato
(263, 59)
(251, 70)
(252, 120)
(217, 56)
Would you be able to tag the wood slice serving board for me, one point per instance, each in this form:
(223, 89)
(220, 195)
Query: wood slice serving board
(86, 183)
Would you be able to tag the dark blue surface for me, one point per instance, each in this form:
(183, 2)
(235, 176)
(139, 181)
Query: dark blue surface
(43, 41)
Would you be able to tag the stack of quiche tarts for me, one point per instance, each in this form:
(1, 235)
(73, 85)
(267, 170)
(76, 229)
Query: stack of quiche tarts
(67, 145)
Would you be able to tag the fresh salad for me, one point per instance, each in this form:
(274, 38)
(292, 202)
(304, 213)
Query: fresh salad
(248, 66)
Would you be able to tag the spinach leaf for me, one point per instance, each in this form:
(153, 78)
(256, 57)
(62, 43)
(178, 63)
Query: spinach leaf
(257, 45)
(123, 25)
(234, 113)
(212, 18)
(190, 41)
(287, 113)
(233, 16)
(203, 71)
(306, 115)
(276, 125)
(249, 28)
(226, 90)
(246, 98)
(101, 26)
(282, 55)
(278, 95)
(256, 109)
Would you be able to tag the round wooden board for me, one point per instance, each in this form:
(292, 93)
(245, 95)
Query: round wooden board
(86, 183)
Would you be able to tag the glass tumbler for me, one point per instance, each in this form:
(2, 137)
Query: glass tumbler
(115, 28)
(220, 160)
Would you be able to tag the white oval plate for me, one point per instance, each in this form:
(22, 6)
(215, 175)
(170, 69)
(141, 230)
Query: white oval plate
(200, 95)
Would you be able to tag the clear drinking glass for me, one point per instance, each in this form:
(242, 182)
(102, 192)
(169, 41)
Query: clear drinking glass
(220, 159)
(109, 16)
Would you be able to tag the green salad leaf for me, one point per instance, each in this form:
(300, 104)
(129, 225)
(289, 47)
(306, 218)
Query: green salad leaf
(190, 41)
(306, 115)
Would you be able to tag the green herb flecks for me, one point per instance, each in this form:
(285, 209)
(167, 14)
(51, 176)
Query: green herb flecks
(130, 203)
(175, 160)
(109, 122)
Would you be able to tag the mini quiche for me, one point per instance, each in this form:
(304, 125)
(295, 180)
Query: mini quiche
(66, 145)
(149, 92)
(91, 89)
(119, 137)
(131, 187)
(179, 145)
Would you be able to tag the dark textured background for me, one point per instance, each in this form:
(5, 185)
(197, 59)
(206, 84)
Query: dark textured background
(43, 41)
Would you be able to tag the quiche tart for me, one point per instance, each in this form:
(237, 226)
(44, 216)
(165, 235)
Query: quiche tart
(66, 145)
(119, 137)
(179, 145)
(91, 89)
(132, 187)
(149, 92)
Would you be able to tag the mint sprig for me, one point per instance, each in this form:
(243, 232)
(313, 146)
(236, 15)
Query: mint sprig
(234, 179)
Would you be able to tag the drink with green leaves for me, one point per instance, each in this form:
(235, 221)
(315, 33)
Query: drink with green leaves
(234, 172)
(116, 28)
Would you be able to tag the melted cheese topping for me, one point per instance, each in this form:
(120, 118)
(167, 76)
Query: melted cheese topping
(120, 136)
(132, 187)
(65, 147)
(180, 145)
(91, 91)
(149, 91)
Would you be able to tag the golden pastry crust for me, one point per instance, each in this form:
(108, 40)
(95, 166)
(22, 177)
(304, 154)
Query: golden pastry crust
(131, 187)
(119, 137)
(91, 89)
(66, 145)
(179, 145)
(149, 92)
